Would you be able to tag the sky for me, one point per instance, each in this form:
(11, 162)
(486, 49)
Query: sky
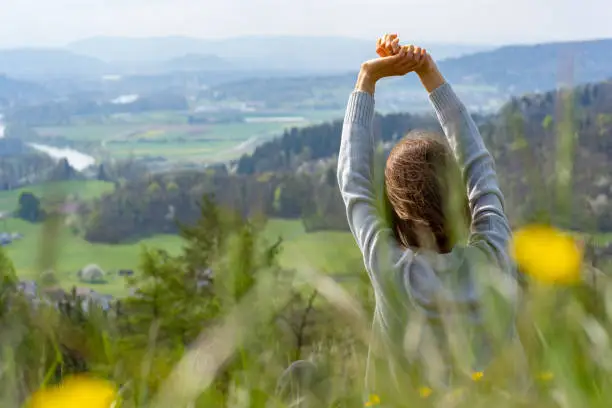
(58, 22)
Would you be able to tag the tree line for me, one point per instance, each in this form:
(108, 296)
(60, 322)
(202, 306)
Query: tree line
(158, 203)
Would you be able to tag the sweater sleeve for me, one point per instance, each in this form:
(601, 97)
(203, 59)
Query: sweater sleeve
(490, 230)
(374, 237)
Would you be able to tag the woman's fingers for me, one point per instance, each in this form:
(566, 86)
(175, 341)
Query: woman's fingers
(380, 49)
(412, 58)
(407, 65)
(390, 37)
(417, 54)
(397, 58)
(391, 43)
(388, 46)
(424, 57)
(395, 46)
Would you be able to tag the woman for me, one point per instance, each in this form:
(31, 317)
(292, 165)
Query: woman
(417, 258)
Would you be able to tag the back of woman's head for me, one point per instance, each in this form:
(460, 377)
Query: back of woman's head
(424, 188)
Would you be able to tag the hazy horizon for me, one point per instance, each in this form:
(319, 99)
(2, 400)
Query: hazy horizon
(56, 23)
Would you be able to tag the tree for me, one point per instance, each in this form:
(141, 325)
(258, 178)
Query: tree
(155, 291)
(30, 207)
(206, 239)
(64, 171)
(103, 173)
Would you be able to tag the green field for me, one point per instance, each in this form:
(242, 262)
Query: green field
(67, 253)
(328, 252)
(325, 251)
(82, 190)
(168, 135)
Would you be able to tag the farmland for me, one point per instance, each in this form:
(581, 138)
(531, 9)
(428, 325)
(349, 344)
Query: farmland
(169, 135)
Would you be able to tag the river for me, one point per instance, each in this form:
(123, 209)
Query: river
(77, 160)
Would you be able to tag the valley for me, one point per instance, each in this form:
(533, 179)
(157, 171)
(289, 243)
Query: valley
(172, 232)
(135, 151)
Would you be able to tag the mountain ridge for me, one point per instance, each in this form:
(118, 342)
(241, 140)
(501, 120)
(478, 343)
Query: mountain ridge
(28, 63)
(487, 77)
(258, 51)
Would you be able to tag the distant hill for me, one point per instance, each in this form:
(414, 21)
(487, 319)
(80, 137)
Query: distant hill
(96, 57)
(534, 68)
(45, 63)
(10, 147)
(196, 62)
(484, 79)
(14, 91)
(302, 53)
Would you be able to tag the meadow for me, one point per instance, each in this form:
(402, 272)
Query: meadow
(66, 253)
(326, 252)
(168, 135)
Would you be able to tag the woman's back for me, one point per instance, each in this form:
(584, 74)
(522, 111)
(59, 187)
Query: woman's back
(442, 287)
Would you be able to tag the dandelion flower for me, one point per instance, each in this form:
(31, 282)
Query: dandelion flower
(477, 376)
(425, 392)
(373, 401)
(547, 254)
(546, 376)
(76, 392)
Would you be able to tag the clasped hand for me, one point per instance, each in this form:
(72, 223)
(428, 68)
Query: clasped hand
(395, 60)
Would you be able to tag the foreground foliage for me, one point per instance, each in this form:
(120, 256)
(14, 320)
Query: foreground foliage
(222, 325)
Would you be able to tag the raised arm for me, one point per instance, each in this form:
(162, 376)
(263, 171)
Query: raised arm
(490, 229)
(374, 238)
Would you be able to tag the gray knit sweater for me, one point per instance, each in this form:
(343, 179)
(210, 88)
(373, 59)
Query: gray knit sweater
(407, 281)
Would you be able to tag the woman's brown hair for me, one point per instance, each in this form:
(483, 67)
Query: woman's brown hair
(425, 191)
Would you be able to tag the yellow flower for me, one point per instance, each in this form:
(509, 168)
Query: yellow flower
(477, 376)
(76, 392)
(373, 401)
(547, 254)
(546, 376)
(425, 392)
